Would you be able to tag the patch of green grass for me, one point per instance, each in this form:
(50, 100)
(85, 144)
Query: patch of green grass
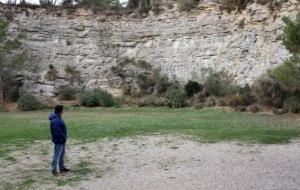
(24, 185)
(2, 108)
(81, 170)
(61, 182)
(44, 151)
(6, 186)
(10, 158)
(210, 125)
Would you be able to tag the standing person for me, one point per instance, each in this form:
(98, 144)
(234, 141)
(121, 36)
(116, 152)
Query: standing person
(59, 137)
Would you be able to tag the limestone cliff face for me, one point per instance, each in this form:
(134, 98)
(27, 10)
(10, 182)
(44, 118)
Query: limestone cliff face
(184, 44)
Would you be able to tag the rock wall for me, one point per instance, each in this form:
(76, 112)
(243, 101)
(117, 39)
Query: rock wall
(184, 44)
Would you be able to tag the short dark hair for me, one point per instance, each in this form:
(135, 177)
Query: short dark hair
(58, 108)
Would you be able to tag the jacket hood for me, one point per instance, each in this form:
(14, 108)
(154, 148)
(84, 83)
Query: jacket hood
(53, 116)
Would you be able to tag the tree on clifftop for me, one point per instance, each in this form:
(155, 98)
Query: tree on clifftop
(99, 3)
(10, 62)
(139, 3)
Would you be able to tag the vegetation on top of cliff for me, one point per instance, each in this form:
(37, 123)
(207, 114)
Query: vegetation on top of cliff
(240, 5)
(105, 4)
(141, 7)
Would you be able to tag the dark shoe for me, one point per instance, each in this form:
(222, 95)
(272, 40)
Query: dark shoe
(65, 170)
(55, 173)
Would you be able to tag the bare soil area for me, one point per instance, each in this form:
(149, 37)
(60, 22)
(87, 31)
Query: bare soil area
(162, 162)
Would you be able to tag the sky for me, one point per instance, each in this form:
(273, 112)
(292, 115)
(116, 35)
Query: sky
(37, 1)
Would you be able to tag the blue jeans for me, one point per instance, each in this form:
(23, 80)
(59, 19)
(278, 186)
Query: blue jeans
(58, 157)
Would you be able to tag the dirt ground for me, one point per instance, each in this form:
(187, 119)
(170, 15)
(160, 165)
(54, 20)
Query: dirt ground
(156, 162)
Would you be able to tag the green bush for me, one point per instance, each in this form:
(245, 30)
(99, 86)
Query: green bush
(245, 90)
(175, 97)
(247, 94)
(268, 91)
(149, 81)
(14, 94)
(192, 87)
(288, 74)
(146, 83)
(153, 83)
(29, 102)
(292, 104)
(96, 98)
(291, 34)
(162, 84)
(219, 84)
(67, 93)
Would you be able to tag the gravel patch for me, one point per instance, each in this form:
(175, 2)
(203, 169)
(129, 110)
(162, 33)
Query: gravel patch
(171, 163)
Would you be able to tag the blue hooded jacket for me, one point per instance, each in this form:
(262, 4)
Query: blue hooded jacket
(58, 129)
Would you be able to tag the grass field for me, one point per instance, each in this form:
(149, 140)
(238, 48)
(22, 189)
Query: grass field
(209, 125)
(25, 147)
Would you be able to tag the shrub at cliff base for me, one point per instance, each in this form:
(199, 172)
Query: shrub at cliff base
(154, 83)
(253, 108)
(67, 93)
(244, 97)
(292, 104)
(151, 101)
(29, 102)
(192, 87)
(268, 91)
(219, 84)
(288, 74)
(210, 101)
(237, 100)
(175, 97)
(96, 98)
(291, 35)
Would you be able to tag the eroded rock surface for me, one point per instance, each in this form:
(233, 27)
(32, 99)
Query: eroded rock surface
(184, 44)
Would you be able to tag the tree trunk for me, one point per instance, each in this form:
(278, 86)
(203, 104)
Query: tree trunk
(140, 4)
